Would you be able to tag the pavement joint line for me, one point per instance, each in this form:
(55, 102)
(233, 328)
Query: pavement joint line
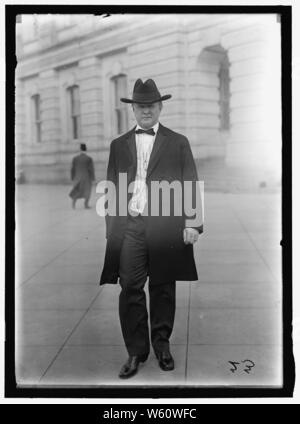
(87, 284)
(50, 310)
(208, 308)
(256, 248)
(187, 334)
(158, 385)
(41, 285)
(53, 259)
(71, 333)
(152, 354)
(173, 344)
(238, 282)
(237, 344)
(235, 307)
(44, 229)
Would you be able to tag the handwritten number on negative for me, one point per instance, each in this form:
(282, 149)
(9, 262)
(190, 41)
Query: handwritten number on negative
(234, 364)
(248, 365)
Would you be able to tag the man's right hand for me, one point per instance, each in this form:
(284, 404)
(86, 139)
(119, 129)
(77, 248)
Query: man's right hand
(190, 235)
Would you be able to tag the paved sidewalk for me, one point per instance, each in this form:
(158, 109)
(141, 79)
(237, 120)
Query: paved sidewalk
(68, 330)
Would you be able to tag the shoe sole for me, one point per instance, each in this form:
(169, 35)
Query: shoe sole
(124, 377)
(141, 360)
(166, 369)
(162, 368)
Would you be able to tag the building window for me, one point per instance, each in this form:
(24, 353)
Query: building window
(224, 95)
(74, 111)
(120, 111)
(36, 118)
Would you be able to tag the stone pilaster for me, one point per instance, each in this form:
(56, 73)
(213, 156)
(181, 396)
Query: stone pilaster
(254, 55)
(50, 107)
(160, 56)
(91, 104)
(20, 118)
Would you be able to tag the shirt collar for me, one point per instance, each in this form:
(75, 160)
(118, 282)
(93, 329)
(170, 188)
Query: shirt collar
(155, 127)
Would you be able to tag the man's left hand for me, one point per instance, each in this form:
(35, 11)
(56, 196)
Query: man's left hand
(190, 235)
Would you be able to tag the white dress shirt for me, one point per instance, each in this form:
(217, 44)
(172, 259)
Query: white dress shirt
(144, 144)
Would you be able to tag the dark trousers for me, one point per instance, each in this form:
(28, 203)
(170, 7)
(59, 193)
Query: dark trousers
(132, 301)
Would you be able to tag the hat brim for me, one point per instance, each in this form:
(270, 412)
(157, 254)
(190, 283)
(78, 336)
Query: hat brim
(160, 99)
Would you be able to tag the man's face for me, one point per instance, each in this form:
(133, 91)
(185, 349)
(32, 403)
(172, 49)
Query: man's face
(147, 115)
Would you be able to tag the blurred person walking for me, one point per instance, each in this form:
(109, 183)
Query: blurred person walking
(82, 175)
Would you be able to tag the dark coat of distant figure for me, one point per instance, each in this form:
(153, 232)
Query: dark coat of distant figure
(82, 175)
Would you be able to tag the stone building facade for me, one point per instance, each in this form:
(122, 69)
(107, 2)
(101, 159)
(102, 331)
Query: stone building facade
(223, 72)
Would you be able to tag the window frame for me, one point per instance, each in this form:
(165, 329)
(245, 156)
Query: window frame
(120, 112)
(74, 116)
(36, 117)
(224, 94)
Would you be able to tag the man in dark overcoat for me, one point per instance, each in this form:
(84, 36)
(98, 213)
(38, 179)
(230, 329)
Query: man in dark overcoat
(82, 175)
(141, 244)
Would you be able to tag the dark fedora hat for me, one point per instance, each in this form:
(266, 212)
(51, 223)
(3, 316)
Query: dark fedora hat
(83, 147)
(145, 92)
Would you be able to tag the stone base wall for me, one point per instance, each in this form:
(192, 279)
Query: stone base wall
(58, 173)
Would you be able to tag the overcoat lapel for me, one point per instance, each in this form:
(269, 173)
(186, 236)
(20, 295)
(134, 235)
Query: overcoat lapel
(132, 147)
(158, 147)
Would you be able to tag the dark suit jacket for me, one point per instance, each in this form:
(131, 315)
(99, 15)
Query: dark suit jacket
(82, 175)
(171, 160)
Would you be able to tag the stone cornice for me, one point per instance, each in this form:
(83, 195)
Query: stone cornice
(94, 45)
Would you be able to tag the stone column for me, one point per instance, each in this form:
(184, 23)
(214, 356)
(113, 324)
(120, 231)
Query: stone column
(20, 120)
(91, 112)
(50, 113)
(20, 128)
(91, 107)
(160, 56)
(254, 55)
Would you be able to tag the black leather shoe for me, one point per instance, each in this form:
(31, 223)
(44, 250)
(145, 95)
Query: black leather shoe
(130, 368)
(165, 361)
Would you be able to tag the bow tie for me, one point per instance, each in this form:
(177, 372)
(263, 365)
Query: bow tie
(150, 131)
